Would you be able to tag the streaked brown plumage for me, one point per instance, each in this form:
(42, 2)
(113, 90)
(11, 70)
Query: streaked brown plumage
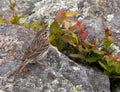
(37, 49)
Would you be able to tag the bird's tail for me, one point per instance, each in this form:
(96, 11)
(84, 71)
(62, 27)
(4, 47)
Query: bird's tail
(19, 68)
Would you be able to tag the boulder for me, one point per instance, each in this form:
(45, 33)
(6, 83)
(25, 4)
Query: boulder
(60, 74)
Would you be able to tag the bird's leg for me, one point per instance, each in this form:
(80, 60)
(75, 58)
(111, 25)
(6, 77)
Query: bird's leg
(41, 63)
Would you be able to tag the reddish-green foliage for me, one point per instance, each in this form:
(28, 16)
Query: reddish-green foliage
(111, 64)
(83, 34)
(63, 32)
(61, 15)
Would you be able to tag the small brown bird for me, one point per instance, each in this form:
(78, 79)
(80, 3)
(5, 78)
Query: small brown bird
(37, 49)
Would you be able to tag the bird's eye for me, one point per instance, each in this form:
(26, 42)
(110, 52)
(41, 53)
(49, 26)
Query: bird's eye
(45, 32)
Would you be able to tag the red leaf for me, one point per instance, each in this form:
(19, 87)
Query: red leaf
(61, 15)
(83, 34)
(78, 25)
(106, 56)
(115, 57)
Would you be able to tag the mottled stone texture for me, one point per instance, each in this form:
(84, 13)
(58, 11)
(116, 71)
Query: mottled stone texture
(60, 74)
(99, 14)
(96, 14)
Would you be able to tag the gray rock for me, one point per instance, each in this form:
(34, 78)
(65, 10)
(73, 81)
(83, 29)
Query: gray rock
(60, 74)
(99, 14)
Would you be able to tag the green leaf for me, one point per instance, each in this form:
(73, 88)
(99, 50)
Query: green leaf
(80, 48)
(1, 21)
(54, 27)
(35, 25)
(107, 60)
(117, 68)
(58, 44)
(108, 41)
(52, 37)
(103, 65)
(91, 59)
(69, 39)
(55, 36)
(16, 19)
(26, 24)
(75, 37)
(77, 56)
(87, 50)
(71, 14)
(99, 52)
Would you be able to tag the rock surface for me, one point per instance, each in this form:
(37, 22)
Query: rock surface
(59, 75)
(97, 13)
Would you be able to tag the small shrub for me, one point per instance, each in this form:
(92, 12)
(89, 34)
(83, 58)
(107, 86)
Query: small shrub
(63, 32)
